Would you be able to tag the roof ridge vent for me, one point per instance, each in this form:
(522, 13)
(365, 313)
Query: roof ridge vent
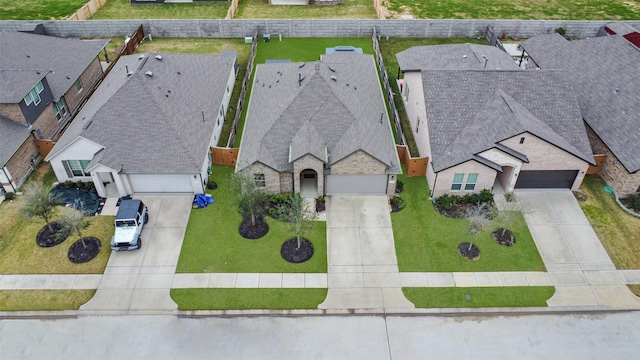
(332, 69)
(334, 78)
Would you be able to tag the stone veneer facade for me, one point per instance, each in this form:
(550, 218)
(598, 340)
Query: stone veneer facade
(613, 172)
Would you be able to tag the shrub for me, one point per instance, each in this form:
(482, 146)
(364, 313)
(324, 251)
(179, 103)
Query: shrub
(10, 196)
(399, 186)
(320, 199)
(510, 197)
(561, 31)
(446, 201)
(398, 202)
(68, 184)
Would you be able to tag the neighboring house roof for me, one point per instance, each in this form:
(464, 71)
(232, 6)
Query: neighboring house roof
(454, 57)
(470, 111)
(153, 116)
(26, 58)
(604, 75)
(13, 136)
(330, 108)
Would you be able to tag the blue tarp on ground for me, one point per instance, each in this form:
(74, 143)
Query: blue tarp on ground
(202, 200)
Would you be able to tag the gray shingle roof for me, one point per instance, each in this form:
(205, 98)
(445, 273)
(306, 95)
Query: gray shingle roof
(604, 74)
(153, 124)
(12, 136)
(470, 111)
(26, 58)
(454, 57)
(338, 104)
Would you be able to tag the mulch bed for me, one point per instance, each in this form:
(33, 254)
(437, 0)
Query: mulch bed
(248, 231)
(320, 206)
(395, 208)
(457, 211)
(48, 235)
(294, 254)
(471, 253)
(81, 253)
(506, 239)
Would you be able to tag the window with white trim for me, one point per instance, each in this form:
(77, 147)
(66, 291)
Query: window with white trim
(76, 168)
(59, 109)
(78, 85)
(472, 180)
(457, 181)
(33, 97)
(259, 179)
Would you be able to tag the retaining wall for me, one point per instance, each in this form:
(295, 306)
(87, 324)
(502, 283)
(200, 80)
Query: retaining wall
(239, 28)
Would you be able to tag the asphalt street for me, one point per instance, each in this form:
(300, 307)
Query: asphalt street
(594, 336)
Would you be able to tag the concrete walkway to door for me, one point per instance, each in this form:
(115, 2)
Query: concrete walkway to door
(363, 270)
(577, 263)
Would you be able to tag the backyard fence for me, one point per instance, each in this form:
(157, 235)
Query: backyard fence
(413, 166)
(239, 28)
(243, 91)
(87, 10)
(388, 91)
(233, 9)
(224, 156)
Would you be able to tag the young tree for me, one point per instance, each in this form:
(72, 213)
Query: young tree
(39, 202)
(73, 223)
(295, 212)
(252, 197)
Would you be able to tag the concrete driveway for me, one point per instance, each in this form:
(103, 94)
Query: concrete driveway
(363, 269)
(578, 265)
(141, 279)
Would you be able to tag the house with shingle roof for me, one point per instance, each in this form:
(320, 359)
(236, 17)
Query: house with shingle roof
(43, 82)
(485, 124)
(603, 73)
(319, 128)
(149, 126)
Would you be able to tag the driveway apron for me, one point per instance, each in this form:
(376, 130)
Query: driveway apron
(578, 265)
(141, 279)
(363, 270)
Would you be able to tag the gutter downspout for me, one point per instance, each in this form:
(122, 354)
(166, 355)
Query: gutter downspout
(8, 178)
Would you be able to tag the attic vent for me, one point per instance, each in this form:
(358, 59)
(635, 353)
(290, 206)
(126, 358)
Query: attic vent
(68, 78)
(334, 78)
(86, 126)
(332, 69)
(130, 73)
(159, 57)
(301, 65)
(464, 56)
(140, 57)
(149, 73)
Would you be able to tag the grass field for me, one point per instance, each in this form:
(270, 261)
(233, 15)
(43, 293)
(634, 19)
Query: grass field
(351, 9)
(43, 300)
(518, 9)
(123, 9)
(38, 10)
(21, 255)
(427, 241)
(212, 242)
(455, 297)
(241, 299)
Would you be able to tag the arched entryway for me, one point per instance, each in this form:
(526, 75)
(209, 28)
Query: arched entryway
(308, 183)
(504, 180)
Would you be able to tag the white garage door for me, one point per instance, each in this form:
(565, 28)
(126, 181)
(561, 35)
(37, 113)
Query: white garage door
(356, 184)
(161, 183)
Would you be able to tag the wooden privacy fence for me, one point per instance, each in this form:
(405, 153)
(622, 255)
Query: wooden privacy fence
(44, 146)
(233, 9)
(224, 156)
(87, 10)
(599, 161)
(400, 139)
(243, 92)
(413, 166)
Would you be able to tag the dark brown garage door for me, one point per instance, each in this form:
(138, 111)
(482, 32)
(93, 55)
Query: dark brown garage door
(535, 179)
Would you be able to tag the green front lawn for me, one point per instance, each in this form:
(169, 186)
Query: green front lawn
(242, 299)
(427, 241)
(19, 252)
(43, 300)
(456, 297)
(123, 9)
(212, 242)
(518, 9)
